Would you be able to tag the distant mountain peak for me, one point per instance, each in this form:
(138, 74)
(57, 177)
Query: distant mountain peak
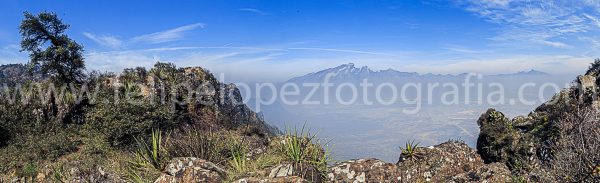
(350, 72)
(531, 72)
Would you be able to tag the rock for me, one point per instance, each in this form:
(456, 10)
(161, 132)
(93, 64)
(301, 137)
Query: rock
(495, 172)
(451, 161)
(282, 171)
(189, 169)
(363, 170)
(439, 164)
(289, 179)
(586, 82)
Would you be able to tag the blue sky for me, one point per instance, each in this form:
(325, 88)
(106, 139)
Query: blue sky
(276, 40)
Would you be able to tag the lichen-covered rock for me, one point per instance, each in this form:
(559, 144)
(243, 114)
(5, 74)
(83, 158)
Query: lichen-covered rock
(304, 170)
(495, 172)
(586, 82)
(451, 161)
(72, 175)
(439, 163)
(288, 179)
(364, 170)
(189, 169)
(282, 171)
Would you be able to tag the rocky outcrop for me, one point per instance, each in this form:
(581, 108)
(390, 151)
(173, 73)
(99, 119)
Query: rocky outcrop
(535, 147)
(72, 175)
(364, 170)
(447, 162)
(12, 74)
(189, 169)
(495, 172)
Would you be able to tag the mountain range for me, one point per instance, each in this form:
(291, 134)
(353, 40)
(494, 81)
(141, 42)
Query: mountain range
(349, 72)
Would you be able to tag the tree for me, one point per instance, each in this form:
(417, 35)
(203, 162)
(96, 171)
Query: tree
(62, 59)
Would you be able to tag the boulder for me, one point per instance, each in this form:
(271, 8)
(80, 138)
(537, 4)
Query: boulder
(495, 172)
(364, 170)
(439, 163)
(288, 179)
(189, 169)
(282, 171)
(586, 82)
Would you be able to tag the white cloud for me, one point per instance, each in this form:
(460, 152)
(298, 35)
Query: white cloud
(460, 49)
(108, 41)
(339, 50)
(253, 10)
(555, 44)
(168, 35)
(595, 20)
(538, 21)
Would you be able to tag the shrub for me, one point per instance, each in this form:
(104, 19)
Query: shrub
(121, 122)
(577, 152)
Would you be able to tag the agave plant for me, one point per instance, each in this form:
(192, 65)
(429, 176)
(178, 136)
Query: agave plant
(409, 149)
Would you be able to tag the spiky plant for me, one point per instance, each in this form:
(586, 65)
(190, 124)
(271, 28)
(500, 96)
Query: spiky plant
(150, 155)
(409, 149)
(238, 158)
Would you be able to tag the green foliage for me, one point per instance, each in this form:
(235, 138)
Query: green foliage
(517, 179)
(496, 136)
(238, 158)
(409, 148)
(594, 68)
(59, 174)
(149, 158)
(63, 58)
(30, 170)
(134, 176)
(303, 148)
(120, 122)
(151, 154)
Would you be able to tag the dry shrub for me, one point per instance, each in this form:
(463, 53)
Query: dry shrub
(577, 151)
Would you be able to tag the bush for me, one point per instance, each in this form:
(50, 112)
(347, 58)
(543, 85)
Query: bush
(121, 122)
(577, 151)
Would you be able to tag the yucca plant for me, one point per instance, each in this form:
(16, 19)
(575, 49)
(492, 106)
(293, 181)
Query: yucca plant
(296, 144)
(320, 159)
(408, 151)
(238, 158)
(150, 155)
(134, 176)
